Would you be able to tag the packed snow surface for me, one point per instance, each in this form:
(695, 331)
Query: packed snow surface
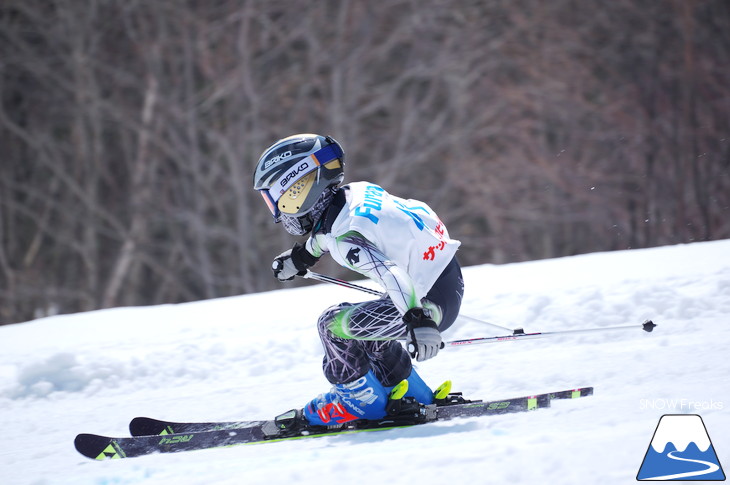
(254, 356)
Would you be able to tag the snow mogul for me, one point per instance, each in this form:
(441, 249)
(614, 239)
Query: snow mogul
(399, 243)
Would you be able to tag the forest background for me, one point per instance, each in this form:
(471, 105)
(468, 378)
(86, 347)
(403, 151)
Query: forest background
(536, 129)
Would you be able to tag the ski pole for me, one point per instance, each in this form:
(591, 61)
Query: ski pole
(647, 326)
(329, 279)
(517, 334)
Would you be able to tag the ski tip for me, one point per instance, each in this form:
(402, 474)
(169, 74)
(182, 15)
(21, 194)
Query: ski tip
(141, 426)
(82, 440)
(96, 447)
(648, 326)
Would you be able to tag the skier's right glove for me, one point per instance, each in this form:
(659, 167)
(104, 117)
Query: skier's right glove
(293, 262)
(423, 339)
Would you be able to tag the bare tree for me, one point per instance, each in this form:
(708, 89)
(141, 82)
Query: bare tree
(536, 129)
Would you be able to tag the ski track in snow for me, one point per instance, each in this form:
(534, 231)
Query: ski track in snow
(254, 356)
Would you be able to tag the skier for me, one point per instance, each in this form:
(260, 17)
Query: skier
(401, 244)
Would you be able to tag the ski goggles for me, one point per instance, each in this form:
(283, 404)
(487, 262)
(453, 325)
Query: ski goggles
(300, 179)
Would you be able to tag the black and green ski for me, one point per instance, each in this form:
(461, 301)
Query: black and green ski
(154, 436)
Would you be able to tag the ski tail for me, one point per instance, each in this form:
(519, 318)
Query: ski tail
(572, 393)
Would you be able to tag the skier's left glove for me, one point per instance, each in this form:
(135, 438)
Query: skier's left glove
(293, 262)
(423, 339)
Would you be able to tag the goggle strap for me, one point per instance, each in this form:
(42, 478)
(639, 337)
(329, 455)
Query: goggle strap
(325, 155)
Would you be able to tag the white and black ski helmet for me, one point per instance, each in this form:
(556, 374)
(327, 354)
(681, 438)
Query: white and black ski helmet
(294, 172)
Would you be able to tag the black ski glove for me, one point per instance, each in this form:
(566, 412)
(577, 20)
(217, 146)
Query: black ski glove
(423, 340)
(293, 262)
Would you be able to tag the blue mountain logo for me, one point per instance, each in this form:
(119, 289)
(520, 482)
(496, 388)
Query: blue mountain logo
(681, 450)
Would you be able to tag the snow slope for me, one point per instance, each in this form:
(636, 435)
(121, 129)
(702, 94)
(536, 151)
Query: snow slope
(254, 356)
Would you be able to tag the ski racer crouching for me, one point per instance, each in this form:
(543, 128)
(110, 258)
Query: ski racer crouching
(399, 243)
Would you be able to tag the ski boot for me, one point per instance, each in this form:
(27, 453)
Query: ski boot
(418, 389)
(443, 396)
(403, 409)
(363, 398)
(400, 410)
